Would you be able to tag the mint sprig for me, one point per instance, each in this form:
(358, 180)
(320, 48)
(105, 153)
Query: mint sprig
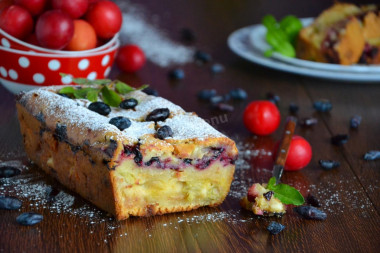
(110, 90)
(285, 193)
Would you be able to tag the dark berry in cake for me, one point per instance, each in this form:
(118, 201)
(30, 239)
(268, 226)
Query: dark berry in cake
(152, 160)
(372, 155)
(9, 203)
(206, 94)
(355, 121)
(202, 56)
(29, 219)
(310, 212)
(120, 122)
(164, 132)
(329, 164)
(187, 160)
(176, 74)
(9, 171)
(274, 228)
(129, 103)
(150, 91)
(217, 68)
(159, 114)
(100, 107)
(339, 139)
(293, 108)
(238, 94)
(60, 132)
(268, 195)
(322, 105)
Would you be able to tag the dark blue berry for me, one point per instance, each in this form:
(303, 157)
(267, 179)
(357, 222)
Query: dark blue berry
(339, 139)
(372, 155)
(159, 114)
(322, 105)
(355, 121)
(217, 68)
(329, 164)
(305, 122)
(100, 107)
(187, 160)
(206, 94)
(224, 107)
(129, 103)
(152, 160)
(29, 219)
(312, 200)
(120, 122)
(238, 94)
(150, 91)
(310, 212)
(202, 57)
(216, 99)
(9, 171)
(273, 98)
(60, 132)
(9, 203)
(187, 35)
(274, 228)
(293, 108)
(138, 156)
(268, 195)
(176, 74)
(164, 132)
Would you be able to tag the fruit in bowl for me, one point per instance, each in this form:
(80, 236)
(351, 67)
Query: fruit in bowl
(61, 27)
(28, 70)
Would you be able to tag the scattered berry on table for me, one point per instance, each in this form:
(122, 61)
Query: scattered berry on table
(329, 164)
(201, 56)
(274, 228)
(216, 99)
(100, 107)
(176, 74)
(339, 139)
(217, 68)
(150, 91)
(355, 121)
(9, 203)
(164, 132)
(238, 94)
(224, 107)
(310, 212)
(372, 155)
(159, 114)
(9, 171)
(293, 108)
(120, 122)
(187, 35)
(312, 200)
(129, 103)
(322, 105)
(29, 219)
(206, 94)
(305, 122)
(273, 98)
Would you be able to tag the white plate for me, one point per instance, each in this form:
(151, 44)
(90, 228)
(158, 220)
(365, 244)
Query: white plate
(257, 38)
(240, 43)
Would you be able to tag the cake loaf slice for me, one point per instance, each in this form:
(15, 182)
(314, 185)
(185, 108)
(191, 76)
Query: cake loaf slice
(149, 158)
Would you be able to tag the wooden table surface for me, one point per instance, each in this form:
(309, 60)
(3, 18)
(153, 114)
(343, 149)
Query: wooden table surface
(349, 194)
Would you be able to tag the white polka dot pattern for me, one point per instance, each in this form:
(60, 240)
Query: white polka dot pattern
(67, 79)
(13, 74)
(92, 75)
(3, 72)
(105, 60)
(24, 62)
(83, 64)
(38, 78)
(54, 65)
(107, 71)
(5, 43)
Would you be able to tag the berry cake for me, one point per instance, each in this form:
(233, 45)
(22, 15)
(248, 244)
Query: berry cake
(343, 34)
(146, 157)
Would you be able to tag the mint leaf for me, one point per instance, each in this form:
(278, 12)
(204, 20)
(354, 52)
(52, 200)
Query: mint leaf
(67, 90)
(92, 95)
(123, 88)
(110, 97)
(285, 193)
(82, 93)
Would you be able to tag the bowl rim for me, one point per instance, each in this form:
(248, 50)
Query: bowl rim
(52, 51)
(45, 55)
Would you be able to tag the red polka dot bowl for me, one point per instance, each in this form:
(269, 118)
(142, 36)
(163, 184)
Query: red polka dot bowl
(24, 70)
(8, 41)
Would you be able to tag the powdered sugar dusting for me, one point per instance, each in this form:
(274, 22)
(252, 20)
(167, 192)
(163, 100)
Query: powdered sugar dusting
(157, 46)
